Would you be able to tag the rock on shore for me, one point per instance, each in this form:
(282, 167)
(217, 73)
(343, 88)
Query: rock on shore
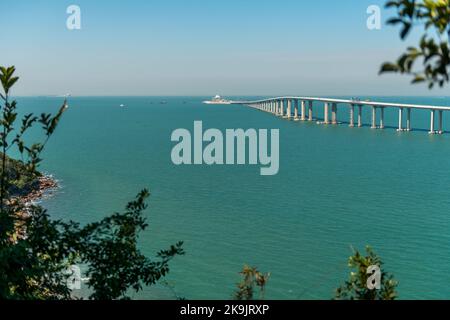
(44, 184)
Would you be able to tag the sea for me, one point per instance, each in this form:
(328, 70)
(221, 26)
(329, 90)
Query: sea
(338, 189)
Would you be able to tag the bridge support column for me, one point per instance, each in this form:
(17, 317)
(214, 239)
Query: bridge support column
(295, 110)
(352, 116)
(289, 111)
(325, 114)
(400, 119)
(382, 118)
(310, 111)
(334, 113)
(374, 117)
(303, 116)
(441, 129)
(282, 108)
(408, 119)
(359, 116)
(432, 131)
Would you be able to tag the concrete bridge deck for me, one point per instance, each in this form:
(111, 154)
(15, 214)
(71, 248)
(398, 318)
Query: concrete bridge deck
(277, 107)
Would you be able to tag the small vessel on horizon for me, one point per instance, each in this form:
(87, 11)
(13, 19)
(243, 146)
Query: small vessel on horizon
(217, 100)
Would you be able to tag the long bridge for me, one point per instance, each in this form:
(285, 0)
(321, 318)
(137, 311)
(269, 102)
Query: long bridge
(302, 108)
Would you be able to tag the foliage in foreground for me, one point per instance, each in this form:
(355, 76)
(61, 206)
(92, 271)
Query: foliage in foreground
(252, 282)
(356, 287)
(21, 180)
(432, 51)
(36, 251)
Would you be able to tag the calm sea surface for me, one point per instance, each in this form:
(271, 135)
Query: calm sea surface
(337, 187)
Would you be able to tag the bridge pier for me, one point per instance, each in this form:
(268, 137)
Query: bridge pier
(303, 111)
(382, 118)
(374, 117)
(441, 130)
(432, 131)
(281, 108)
(352, 116)
(295, 110)
(334, 114)
(310, 111)
(359, 116)
(288, 111)
(325, 114)
(400, 120)
(408, 119)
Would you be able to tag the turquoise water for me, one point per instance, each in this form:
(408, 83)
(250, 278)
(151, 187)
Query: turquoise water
(337, 187)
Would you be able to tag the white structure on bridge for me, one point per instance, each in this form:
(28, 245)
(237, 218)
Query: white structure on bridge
(282, 106)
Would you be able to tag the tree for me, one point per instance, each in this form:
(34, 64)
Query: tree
(356, 287)
(251, 279)
(36, 251)
(433, 50)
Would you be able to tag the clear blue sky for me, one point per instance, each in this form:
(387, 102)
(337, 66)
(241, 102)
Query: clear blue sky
(200, 47)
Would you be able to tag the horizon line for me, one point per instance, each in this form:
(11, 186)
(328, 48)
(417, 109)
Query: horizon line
(209, 95)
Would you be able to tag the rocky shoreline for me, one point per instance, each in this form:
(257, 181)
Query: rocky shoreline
(43, 186)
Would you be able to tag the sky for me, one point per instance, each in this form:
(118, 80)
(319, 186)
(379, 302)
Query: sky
(202, 47)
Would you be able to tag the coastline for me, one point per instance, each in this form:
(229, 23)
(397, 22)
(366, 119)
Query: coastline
(42, 187)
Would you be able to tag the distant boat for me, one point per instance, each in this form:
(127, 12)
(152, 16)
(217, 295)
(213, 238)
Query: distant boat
(122, 105)
(217, 100)
(163, 102)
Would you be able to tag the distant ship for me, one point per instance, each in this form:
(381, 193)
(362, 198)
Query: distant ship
(122, 106)
(217, 100)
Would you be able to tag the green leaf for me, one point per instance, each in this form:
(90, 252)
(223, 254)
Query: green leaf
(405, 31)
(394, 21)
(418, 79)
(389, 67)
